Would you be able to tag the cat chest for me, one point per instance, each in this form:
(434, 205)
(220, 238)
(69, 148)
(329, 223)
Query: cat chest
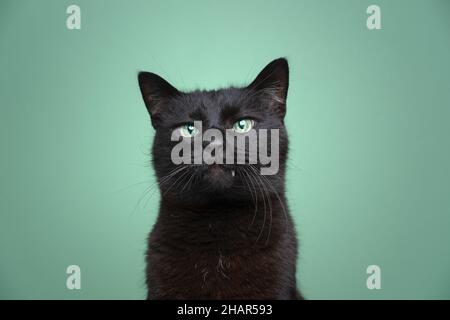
(217, 275)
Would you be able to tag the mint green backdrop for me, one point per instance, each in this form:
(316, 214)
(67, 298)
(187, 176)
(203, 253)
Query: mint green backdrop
(368, 118)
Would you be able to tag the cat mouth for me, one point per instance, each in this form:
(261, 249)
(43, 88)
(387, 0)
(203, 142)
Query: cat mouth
(216, 169)
(219, 177)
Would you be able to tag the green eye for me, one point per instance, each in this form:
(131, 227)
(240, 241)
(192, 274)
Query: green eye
(242, 126)
(188, 130)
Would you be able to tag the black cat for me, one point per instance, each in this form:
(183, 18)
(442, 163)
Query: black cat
(223, 230)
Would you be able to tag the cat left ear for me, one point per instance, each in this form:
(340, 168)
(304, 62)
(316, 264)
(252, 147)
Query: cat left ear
(154, 91)
(274, 80)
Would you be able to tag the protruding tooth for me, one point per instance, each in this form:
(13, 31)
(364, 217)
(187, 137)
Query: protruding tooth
(233, 173)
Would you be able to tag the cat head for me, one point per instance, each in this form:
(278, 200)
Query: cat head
(188, 124)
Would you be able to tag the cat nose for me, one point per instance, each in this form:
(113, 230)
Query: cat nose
(216, 143)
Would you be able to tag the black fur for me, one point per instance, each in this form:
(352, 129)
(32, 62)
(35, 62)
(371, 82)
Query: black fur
(219, 236)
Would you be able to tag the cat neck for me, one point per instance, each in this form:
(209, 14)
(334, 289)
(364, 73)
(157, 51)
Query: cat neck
(228, 225)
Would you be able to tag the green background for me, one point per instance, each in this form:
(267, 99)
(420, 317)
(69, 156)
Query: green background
(368, 118)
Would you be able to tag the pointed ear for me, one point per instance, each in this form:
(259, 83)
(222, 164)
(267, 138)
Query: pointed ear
(274, 80)
(154, 91)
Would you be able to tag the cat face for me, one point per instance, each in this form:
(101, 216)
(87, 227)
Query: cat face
(232, 113)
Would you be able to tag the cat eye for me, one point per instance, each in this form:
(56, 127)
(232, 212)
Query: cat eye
(243, 125)
(188, 130)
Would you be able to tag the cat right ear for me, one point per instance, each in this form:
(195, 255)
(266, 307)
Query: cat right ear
(274, 78)
(154, 91)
